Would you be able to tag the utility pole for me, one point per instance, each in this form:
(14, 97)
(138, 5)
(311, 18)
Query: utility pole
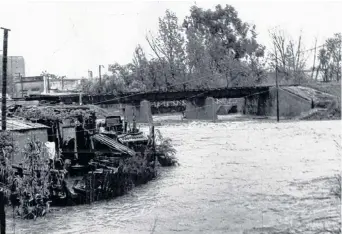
(62, 78)
(100, 66)
(313, 67)
(48, 83)
(22, 85)
(338, 77)
(4, 78)
(277, 85)
(2, 212)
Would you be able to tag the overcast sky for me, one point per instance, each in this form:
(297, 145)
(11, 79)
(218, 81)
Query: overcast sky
(71, 37)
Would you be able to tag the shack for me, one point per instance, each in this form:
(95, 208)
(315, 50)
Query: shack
(21, 132)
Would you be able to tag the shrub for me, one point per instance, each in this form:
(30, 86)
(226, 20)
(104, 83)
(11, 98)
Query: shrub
(27, 191)
(165, 150)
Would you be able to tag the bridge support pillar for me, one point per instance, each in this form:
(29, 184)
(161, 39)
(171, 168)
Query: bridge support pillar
(142, 112)
(129, 112)
(145, 115)
(205, 109)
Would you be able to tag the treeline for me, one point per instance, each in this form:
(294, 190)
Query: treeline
(212, 48)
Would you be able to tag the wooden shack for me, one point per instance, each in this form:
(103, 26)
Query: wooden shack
(21, 132)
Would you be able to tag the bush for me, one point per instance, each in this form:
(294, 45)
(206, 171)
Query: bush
(26, 191)
(7, 149)
(165, 150)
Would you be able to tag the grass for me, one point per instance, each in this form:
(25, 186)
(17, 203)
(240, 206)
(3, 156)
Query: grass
(332, 88)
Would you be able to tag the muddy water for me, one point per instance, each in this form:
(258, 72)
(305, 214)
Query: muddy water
(234, 177)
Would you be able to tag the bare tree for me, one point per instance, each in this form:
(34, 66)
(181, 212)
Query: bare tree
(291, 55)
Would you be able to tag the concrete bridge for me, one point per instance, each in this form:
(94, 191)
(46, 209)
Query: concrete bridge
(200, 104)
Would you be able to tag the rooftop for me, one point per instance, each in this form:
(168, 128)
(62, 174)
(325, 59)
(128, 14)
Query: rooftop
(18, 124)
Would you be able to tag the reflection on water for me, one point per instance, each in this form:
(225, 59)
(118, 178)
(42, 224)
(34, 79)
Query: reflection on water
(234, 177)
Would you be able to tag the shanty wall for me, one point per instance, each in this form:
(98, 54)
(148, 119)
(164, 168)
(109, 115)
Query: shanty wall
(68, 133)
(20, 138)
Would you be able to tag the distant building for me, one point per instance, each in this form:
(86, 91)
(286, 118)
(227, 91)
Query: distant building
(66, 84)
(32, 85)
(15, 69)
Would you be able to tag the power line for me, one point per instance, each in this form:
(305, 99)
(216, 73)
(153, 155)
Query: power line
(311, 49)
(314, 61)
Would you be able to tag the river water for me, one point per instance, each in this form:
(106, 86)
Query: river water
(234, 177)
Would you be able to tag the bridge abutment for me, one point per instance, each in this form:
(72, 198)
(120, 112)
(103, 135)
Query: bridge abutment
(205, 109)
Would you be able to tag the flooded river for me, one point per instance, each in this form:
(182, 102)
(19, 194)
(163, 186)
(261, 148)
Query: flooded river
(234, 177)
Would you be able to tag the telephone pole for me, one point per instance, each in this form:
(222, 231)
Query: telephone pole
(21, 85)
(62, 79)
(100, 66)
(4, 78)
(313, 67)
(2, 212)
(277, 85)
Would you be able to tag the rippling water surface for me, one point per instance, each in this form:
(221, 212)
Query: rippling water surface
(234, 177)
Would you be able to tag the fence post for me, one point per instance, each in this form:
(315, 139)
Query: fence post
(154, 147)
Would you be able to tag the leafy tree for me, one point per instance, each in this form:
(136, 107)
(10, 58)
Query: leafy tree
(224, 37)
(198, 61)
(124, 74)
(168, 45)
(210, 49)
(156, 73)
(329, 58)
(140, 64)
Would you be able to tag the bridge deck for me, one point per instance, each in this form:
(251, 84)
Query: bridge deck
(136, 97)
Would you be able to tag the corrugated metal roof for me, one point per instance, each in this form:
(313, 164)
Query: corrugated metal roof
(113, 144)
(17, 124)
